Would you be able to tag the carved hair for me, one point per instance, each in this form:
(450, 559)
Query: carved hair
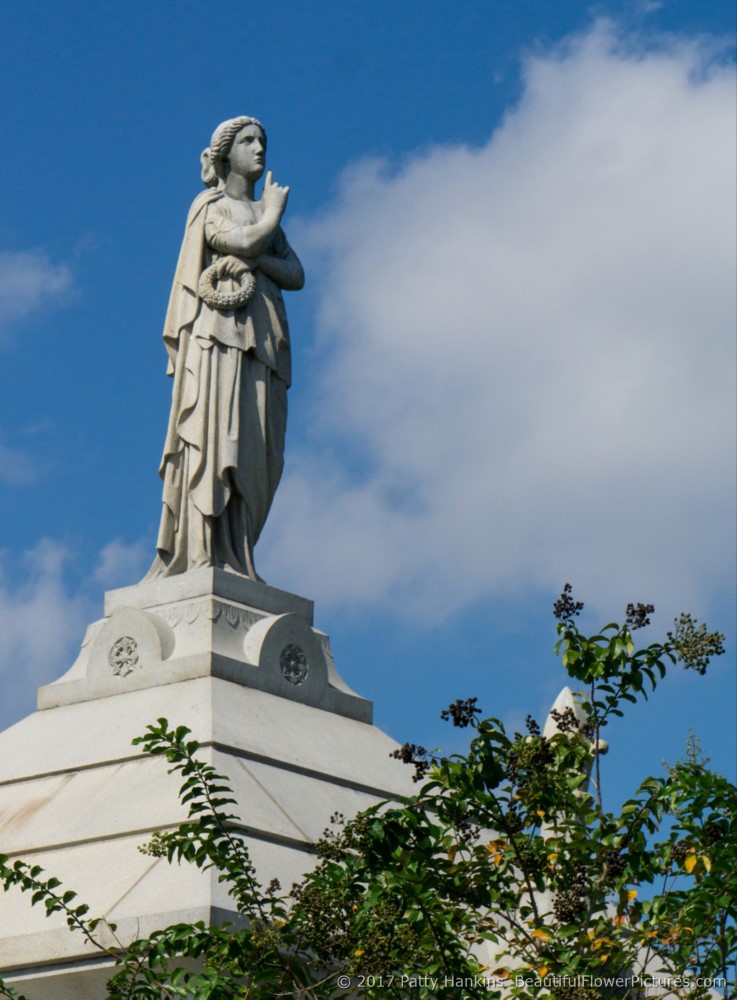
(214, 159)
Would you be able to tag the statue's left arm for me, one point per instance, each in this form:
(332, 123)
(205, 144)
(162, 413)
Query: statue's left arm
(281, 264)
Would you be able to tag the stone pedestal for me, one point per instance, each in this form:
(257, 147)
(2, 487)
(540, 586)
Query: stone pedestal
(242, 666)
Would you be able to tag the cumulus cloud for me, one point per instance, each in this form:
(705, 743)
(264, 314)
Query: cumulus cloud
(528, 356)
(28, 279)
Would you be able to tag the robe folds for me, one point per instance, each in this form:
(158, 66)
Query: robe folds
(224, 450)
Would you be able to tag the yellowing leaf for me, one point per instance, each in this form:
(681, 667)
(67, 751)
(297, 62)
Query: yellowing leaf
(541, 934)
(706, 862)
(631, 894)
(358, 952)
(690, 863)
(496, 849)
(542, 970)
(599, 943)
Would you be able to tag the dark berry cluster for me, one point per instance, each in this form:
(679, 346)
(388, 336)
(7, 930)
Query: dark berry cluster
(570, 903)
(419, 757)
(462, 713)
(679, 852)
(565, 607)
(615, 865)
(532, 726)
(713, 833)
(638, 615)
(468, 832)
(566, 721)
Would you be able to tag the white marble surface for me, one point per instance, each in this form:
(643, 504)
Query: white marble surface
(78, 799)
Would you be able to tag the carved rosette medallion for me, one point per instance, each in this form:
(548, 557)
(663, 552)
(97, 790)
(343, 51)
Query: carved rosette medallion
(293, 663)
(123, 656)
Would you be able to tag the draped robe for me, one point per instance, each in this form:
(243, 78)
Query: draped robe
(224, 450)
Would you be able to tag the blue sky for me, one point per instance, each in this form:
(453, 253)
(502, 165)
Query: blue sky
(514, 360)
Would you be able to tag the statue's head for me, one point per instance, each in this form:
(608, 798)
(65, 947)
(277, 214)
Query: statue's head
(215, 159)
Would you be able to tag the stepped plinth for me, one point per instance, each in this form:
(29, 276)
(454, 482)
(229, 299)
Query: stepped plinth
(241, 665)
(207, 623)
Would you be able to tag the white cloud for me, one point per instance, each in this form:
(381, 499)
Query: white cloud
(28, 279)
(529, 345)
(43, 616)
(121, 564)
(16, 467)
(42, 623)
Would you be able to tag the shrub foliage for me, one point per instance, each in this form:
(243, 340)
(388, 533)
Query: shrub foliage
(503, 876)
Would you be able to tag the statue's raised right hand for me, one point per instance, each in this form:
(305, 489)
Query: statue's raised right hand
(274, 197)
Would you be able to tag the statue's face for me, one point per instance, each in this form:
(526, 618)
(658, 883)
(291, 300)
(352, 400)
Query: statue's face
(247, 156)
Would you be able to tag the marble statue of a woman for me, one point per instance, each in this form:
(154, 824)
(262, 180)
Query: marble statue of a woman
(228, 343)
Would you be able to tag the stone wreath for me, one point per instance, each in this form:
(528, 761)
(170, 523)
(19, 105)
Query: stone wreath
(226, 300)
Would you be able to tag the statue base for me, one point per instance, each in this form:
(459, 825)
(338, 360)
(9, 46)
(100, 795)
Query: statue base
(208, 622)
(241, 665)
